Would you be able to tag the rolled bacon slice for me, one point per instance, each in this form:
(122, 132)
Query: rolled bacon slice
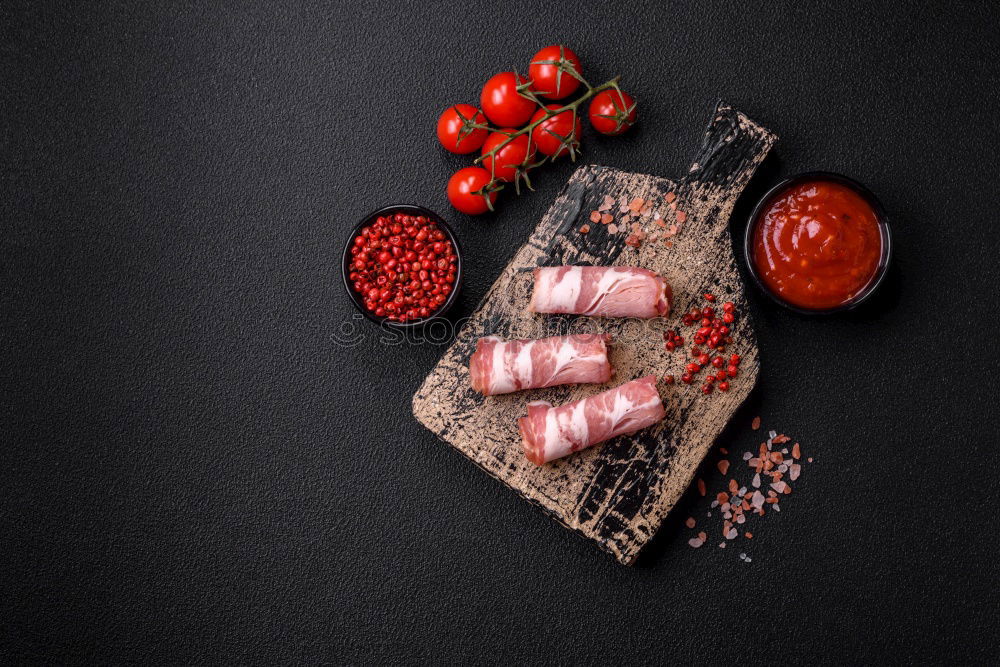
(610, 291)
(499, 367)
(549, 433)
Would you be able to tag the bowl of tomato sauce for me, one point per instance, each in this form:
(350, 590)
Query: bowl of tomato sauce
(818, 242)
(402, 266)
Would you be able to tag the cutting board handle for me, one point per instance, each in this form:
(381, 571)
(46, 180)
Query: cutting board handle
(732, 148)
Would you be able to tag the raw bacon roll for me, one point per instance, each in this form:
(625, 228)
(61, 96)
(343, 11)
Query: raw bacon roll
(611, 291)
(549, 433)
(499, 367)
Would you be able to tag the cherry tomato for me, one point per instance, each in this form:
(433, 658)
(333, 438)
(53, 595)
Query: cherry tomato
(548, 74)
(510, 157)
(612, 112)
(466, 190)
(557, 135)
(501, 102)
(454, 131)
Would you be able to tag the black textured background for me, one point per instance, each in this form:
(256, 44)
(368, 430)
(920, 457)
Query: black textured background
(192, 470)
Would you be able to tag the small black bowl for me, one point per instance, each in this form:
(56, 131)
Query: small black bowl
(409, 209)
(880, 215)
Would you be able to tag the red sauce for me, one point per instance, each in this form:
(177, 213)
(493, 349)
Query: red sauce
(817, 245)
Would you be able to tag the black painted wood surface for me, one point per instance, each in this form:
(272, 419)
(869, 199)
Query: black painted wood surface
(616, 494)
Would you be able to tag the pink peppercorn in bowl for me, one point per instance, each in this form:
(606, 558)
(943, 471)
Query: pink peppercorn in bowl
(402, 266)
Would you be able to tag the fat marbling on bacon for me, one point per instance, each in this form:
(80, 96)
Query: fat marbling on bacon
(500, 367)
(549, 433)
(611, 291)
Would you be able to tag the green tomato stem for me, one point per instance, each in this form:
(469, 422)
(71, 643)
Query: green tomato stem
(591, 91)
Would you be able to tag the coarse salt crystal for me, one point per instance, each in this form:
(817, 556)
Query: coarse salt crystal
(794, 471)
(747, 456)
(695, 542)
(756, 480)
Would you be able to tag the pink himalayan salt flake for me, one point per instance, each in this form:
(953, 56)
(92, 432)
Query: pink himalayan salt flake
(690, 522)
(608, 202)
(757, 501)
(778, 486)
(756, 480)
(612, 228)
(722, 545)
(747, 456)
(794, 471)
(695, 542)
(731, 535)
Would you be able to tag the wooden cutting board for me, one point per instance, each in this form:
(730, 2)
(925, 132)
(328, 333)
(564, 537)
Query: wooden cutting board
(618, 493)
